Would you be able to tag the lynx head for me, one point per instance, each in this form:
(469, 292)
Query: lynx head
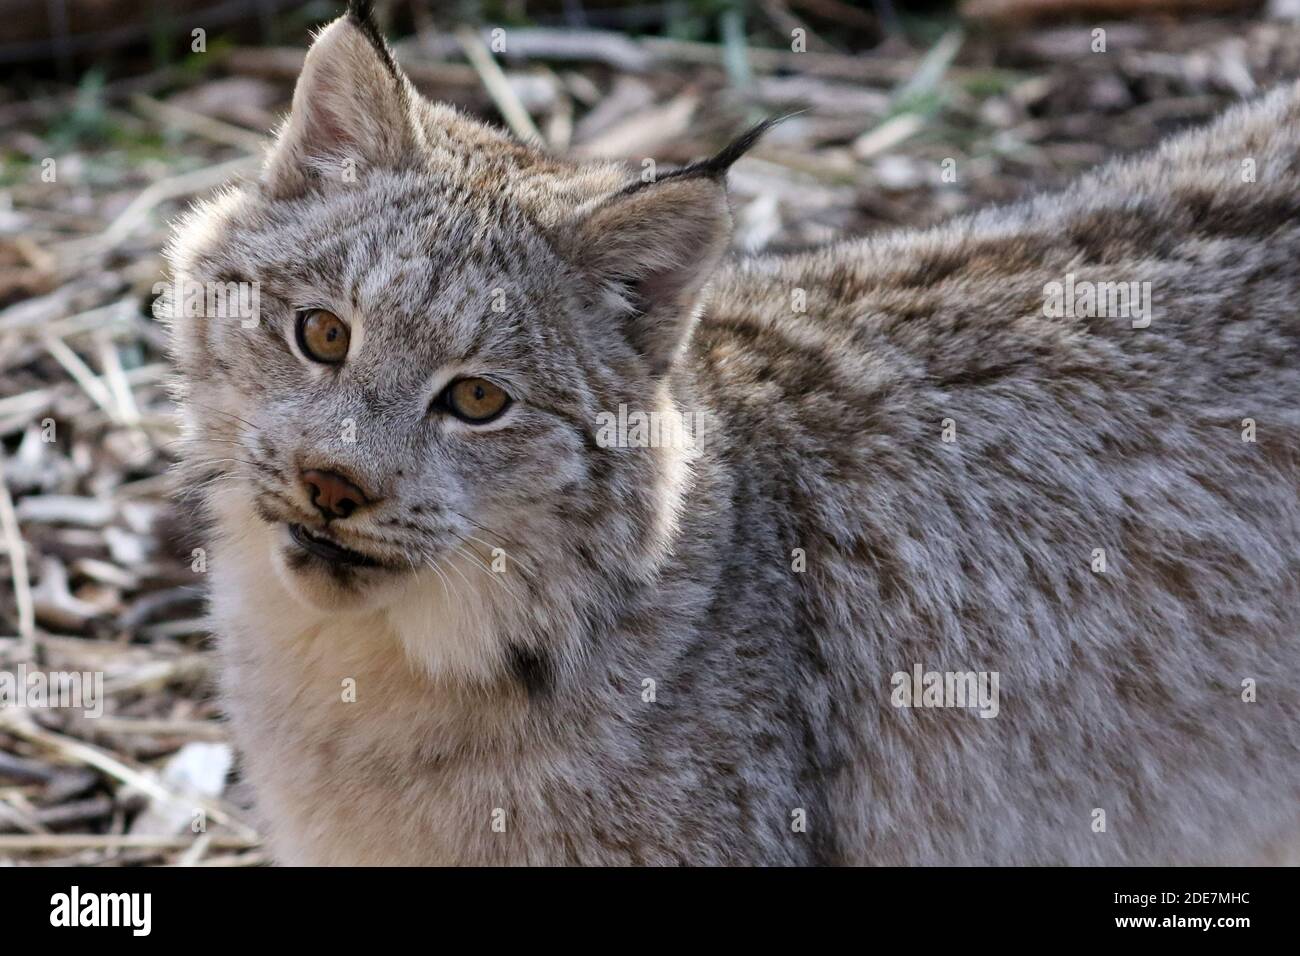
(442, 314)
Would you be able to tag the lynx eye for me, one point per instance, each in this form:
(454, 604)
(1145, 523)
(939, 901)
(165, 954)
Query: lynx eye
(475, 400)
(323, 336)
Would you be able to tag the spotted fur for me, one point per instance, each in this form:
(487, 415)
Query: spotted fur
(657, 676)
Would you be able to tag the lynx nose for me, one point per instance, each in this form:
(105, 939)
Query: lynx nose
(333, 495)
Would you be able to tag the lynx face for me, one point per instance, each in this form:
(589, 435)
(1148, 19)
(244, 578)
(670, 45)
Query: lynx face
(443, 315)
(352, 402)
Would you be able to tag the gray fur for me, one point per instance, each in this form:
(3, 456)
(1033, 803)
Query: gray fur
(517, 698)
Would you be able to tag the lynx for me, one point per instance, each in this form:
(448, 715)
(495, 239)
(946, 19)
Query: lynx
(456, 627)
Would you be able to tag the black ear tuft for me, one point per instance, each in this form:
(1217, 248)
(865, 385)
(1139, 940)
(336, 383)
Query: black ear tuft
(361, 14)
(716, 166)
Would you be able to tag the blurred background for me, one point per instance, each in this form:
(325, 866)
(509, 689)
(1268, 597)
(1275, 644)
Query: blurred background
(114, 114)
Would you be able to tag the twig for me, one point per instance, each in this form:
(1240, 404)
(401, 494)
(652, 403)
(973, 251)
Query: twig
(540, 43)
(185, 184)
(83, 376)
(197, 850)
(119, 388)
(20, 768)
(71, 297)
(644, 132)
(237, 859)
(559, 128)
(765, 59)
(18, 570)
(75, 811)
(17, 722)
(205, 126)
(16, 411)
(195, 666)
(125, 841)
(194, 729)
(498, 87)
(19, 814)
(887, 135)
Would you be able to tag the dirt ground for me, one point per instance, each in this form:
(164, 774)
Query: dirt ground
(904, 115)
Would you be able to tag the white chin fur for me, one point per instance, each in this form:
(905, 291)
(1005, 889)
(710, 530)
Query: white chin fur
(442, 622)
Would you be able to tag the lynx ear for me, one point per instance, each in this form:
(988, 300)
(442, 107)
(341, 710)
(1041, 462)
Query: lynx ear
(351, 110)
(654, 249)
(655, 245)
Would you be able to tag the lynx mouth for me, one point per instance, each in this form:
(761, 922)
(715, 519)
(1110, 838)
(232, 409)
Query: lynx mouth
(328, 550)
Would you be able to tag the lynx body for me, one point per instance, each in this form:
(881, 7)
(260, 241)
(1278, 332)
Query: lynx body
(517, 642)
